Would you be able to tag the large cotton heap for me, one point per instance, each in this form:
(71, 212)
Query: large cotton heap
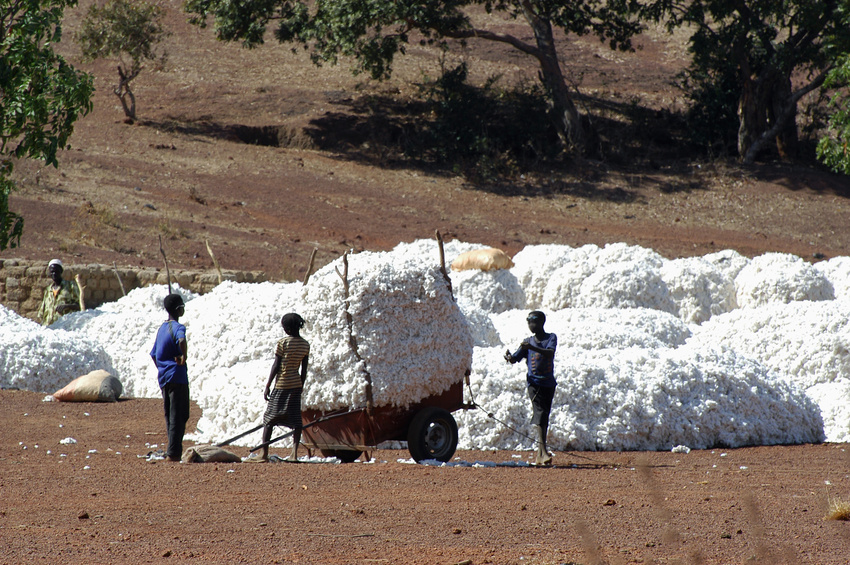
(615, 276)
(37, 358)
(779, 277)
(534, 267)
(411, 337)
(641, 399)
(806, 342)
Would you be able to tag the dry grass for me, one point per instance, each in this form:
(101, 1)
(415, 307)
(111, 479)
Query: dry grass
(838, 509)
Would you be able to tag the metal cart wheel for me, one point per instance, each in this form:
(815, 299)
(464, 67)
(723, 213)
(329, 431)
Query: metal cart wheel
(432, 435)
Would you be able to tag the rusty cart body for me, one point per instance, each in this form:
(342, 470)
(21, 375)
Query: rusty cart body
(427, 426)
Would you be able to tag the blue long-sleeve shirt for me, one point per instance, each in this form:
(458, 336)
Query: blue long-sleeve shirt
(541, 368)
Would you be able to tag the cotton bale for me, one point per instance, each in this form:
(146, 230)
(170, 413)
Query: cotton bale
(698, 288)
(410, 333)
(780, 277)
(95, 386)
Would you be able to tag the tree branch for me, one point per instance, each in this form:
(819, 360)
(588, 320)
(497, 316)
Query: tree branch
(493, 36)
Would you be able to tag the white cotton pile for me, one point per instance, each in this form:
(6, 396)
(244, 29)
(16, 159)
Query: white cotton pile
(615, 276)
(806, 342)
(837, 271)
(698, 288)
(411, 337)
(729, 262)
(125, 329)
(489, 291)
(44, 360)
(598, 328)
(640, 399)
(834, 401)
(780, 277)
(718, 350)
(534, 267)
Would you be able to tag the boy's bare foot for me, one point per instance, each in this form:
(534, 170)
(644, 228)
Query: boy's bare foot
(543, 460)
(254, 458)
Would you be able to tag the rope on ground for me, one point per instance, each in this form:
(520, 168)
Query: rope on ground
(534, 441)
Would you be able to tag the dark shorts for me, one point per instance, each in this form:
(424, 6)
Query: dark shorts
(541, 404)
(284, 408)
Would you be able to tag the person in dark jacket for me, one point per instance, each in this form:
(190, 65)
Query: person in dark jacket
(539, 353)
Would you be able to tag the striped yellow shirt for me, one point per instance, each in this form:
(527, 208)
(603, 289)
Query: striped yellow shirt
(292, 350)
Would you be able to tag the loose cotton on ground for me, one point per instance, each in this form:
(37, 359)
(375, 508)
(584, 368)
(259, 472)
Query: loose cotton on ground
(653, 353)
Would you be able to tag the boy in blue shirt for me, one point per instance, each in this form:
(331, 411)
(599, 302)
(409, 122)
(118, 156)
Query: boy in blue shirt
(169, 356)
(539, 353)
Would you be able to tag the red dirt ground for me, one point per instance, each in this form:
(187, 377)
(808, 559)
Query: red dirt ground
(181, 173)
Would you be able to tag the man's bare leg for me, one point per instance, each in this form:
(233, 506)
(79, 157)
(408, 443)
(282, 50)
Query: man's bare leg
(296, 439)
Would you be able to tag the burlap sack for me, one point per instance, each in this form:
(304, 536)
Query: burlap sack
(209, 454)
(486, 259)
(97, 386)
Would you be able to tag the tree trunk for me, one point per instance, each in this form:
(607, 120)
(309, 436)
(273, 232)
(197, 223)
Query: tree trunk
(787, 140)
(766, 104)
(124, 94)
(567, 117)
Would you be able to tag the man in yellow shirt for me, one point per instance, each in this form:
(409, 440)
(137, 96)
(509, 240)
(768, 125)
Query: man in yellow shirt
(60, 296)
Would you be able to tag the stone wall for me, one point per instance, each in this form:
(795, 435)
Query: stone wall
(22, 282)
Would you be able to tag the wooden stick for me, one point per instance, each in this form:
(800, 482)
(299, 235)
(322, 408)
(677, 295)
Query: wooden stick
(215, 262)
(310, 266)
(352, 340)
(443, 261)
(167, 270)
(120, 282)
(82, 290)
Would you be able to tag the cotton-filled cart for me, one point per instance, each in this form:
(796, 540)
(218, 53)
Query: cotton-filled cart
(428, 427)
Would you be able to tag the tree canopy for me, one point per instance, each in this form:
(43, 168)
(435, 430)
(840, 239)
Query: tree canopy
(127, 29)
(41, 95)
(373, 32)
(754, 60)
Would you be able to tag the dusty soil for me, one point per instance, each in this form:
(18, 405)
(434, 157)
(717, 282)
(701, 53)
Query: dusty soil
(99, 501)
(184, 172)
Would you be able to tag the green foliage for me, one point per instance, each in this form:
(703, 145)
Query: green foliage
(41, 96)
(371, 33)
(832, 149)
(128, 29)
(756, 44)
